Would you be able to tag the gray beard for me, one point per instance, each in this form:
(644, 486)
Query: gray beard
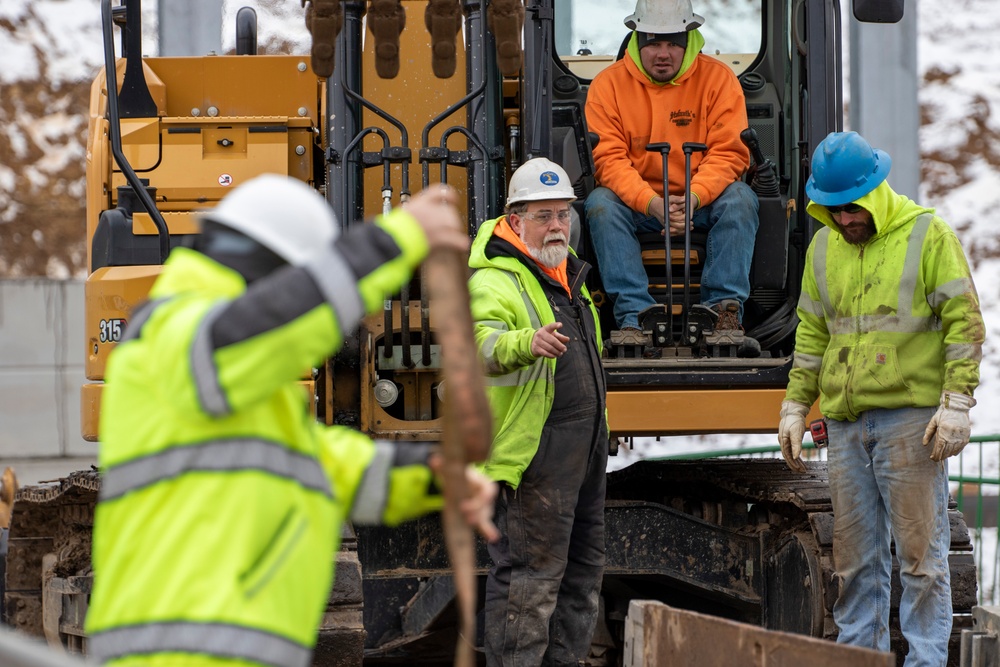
(550, 256)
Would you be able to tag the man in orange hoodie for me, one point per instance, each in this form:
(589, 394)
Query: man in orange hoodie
(665, 90)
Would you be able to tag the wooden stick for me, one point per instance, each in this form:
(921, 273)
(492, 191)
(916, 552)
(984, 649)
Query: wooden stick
(467, 428)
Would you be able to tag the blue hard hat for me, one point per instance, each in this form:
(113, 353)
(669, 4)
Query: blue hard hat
(845, 168)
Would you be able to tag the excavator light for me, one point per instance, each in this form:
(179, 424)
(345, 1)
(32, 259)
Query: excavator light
(386, 392)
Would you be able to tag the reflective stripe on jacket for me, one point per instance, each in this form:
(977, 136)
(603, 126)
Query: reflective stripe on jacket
(508, 306)
(222, 498)
(887, 324)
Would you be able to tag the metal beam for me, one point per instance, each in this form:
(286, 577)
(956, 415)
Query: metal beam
(883, 106)
(656, 634)
(651, 413)
(980, 644)
(647, 540)
(564, 28)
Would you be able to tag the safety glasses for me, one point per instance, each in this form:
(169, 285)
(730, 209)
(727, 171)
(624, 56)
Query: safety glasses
(846, 208)
(545, 218)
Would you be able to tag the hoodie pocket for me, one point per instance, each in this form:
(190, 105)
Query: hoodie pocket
(877, 375)
(271, 559)
(862, 377)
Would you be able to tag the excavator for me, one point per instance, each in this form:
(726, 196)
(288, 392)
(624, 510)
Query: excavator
(395, 95)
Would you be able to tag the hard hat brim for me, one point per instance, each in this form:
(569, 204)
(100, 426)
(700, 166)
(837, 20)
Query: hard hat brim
(538, 196)
(696, 22)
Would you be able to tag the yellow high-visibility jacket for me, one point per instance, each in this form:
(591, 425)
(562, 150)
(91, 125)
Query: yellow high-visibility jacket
(890, 323)
(222, 498)
(508, 306)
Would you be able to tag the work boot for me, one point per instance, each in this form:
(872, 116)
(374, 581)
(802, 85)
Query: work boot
(729, 316)
(727, 330)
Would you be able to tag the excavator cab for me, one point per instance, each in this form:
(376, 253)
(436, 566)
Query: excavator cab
(693, 370)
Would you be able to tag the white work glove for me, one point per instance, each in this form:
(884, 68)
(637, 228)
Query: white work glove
(790, 431)
(949, 427)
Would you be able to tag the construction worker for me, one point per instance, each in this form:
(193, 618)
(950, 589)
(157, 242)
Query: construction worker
(222, 498)
(8, 492)
(665, 90)
(538, 333)
(890, 340)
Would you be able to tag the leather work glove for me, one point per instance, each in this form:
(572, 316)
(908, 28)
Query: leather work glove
(8, 490)
(949, 427)
(790, 431)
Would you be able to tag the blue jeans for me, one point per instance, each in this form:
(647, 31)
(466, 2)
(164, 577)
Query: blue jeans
(882, 480)
(731, 222)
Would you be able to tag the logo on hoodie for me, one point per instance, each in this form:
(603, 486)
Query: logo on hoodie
(682, 118)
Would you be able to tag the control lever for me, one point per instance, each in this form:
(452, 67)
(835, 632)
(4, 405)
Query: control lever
(663, 148)
(764, 181)
(688, 147)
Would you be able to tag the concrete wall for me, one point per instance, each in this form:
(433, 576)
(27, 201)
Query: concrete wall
(41, 370)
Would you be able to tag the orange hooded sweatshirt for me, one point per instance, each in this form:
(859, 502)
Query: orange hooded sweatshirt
(703, 103)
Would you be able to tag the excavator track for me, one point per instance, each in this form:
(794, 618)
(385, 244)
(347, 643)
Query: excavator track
(790, 517)
(747, 540)
(48, 559)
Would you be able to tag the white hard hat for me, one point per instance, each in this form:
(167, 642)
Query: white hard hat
(539, 179)
(663, 16)
(283, 214)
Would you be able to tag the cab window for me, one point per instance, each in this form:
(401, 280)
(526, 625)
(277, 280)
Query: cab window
(595, 28)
